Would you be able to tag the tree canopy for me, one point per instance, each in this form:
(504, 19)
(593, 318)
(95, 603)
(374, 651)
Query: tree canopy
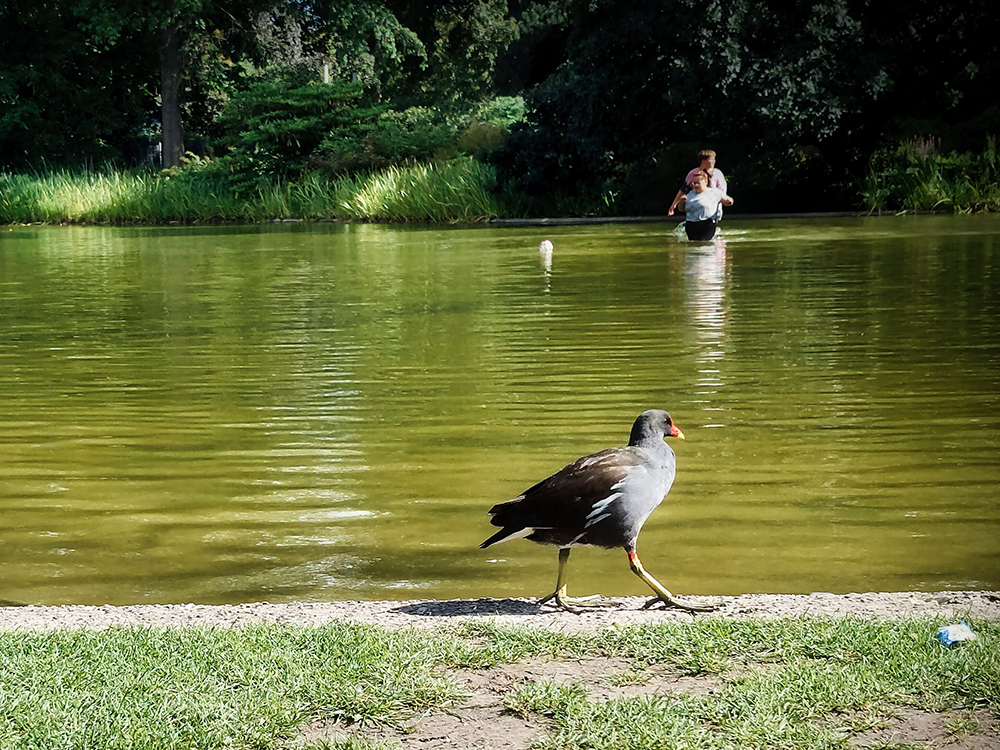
(618, 93)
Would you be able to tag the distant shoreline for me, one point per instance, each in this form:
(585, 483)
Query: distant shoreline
(494, 222)
(678, 218)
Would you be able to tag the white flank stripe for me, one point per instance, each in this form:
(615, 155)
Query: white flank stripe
(592, 521)
(600, 506)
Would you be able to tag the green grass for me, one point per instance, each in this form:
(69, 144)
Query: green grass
(206, 688)
(780, 684)
(460, 190)
(119, 198)
(915, 177)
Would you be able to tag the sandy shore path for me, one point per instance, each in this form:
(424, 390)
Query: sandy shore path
(431, 613)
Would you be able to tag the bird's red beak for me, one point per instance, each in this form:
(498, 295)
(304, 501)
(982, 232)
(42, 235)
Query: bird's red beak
(676, 432)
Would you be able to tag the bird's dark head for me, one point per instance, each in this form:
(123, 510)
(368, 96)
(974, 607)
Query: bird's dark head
(654, 424)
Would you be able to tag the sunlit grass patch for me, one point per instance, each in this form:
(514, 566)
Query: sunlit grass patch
(626, 677)
(548, 698)
(799, 683)
(785, 683)
(116, 197)
(248, 687)
(459, 190)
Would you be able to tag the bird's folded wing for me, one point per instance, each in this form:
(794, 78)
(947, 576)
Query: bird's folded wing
(571, 496)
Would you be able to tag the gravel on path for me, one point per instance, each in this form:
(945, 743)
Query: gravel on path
(953, 605)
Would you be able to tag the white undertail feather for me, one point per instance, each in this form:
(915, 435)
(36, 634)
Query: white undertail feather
(528, 531)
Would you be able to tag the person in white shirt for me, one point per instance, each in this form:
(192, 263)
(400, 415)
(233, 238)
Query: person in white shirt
(704, 208)
(715, 179)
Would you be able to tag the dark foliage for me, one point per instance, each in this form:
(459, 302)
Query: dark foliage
(64, 99)
(794, 96)
(741, 76)
(275, 127)
(463, 39)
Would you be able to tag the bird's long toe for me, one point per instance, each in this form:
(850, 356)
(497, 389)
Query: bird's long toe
(557, 599)
(576, 605)
(673, 601)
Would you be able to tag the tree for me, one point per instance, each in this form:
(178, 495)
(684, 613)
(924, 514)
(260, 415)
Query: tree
(943, 70)
(177, 22)
(463, 39)
(275, 126)
(68, 101)
(640, 77)
(74, 67)
(363, 41)
(108, 26)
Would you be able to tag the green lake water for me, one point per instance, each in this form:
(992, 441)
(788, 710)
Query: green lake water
(229, 414)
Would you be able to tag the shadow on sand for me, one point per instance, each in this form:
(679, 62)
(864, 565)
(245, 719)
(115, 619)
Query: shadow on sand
(457, 607)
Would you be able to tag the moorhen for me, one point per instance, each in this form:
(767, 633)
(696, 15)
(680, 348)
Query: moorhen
(601, 500)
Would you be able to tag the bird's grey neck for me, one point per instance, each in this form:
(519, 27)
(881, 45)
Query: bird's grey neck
(650, 442)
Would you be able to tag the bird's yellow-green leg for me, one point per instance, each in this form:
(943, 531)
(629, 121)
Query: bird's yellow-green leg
(662, 595)
(570, 605)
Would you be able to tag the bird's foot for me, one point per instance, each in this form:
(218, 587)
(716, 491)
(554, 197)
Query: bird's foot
(672, 601)
(576, 606)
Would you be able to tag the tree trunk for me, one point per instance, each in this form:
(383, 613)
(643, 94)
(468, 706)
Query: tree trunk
(170, 67)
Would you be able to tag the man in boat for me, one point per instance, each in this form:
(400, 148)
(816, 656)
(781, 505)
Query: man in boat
(715, 179)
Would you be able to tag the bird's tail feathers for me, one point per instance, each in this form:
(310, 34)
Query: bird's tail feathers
(507, 533)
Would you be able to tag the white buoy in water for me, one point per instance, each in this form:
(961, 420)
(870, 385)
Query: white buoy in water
(545, 251)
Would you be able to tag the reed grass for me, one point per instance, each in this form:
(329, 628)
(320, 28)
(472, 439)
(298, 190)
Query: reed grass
(460, 190)
(112, 197)
(803, 683)
(916, 177)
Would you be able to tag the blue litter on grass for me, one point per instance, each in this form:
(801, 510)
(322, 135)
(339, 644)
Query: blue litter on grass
(949, 635)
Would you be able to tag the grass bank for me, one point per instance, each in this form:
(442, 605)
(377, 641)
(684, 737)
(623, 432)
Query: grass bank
(912, 177)
(711, 683)
(460, 190)
(915, 176)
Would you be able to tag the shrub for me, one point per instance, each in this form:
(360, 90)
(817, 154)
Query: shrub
(420, 134)
(914, 176)
(274, 128)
